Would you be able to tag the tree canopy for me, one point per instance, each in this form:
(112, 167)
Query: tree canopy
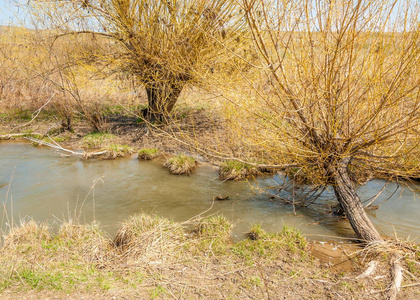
(341, 95)
(163, 45)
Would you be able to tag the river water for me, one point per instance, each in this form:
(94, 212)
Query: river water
(37, 182)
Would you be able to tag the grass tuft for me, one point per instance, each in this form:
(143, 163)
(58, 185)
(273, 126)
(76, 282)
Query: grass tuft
(215, 227)
(295, 240)
(180, 164)
(148, 154)
(28, 232)
(116, 150)
(88, 241)
(234, 170)
(270, 246)
(256, 233)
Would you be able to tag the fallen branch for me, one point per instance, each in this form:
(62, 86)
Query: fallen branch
(84, 155)
(410, 285)
(16, 135)
(56, 146)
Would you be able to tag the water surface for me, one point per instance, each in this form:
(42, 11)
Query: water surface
(37, 182)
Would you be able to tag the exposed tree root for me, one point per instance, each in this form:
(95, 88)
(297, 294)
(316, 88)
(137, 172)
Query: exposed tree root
(396, 271)
(371, 268)
(398, 254)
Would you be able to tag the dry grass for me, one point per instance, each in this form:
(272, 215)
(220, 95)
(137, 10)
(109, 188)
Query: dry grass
(27, 233)
(48, 80)
(154, 258)
(149, 238)
(88, 241)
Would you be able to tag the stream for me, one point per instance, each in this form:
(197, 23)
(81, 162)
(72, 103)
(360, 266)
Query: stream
(36, 182)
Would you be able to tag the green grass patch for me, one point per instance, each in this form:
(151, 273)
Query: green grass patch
(97, 140)
(269, 246)
(158, 292)
(214, 235)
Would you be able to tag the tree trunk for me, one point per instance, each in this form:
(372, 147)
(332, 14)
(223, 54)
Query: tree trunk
(351, 204)
(161, 99)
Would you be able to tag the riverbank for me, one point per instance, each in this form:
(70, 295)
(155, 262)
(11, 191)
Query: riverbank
(154, 258)
(194, 129)
(82, 261)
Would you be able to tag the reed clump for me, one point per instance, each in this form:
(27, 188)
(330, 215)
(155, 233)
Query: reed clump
(180, 164)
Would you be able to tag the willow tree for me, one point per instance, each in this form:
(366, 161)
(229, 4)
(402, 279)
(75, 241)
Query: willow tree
(162, 44)
(341, 96)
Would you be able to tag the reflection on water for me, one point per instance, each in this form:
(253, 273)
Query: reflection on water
(37, 182)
